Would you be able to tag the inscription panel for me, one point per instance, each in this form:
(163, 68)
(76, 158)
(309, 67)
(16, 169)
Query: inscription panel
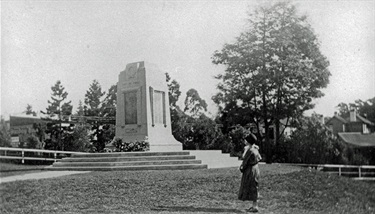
(158, 107)
(131, 113)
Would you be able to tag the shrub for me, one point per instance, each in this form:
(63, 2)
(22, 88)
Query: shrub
(32, 142)
(137, 146)
(78, 139)
(5, 139)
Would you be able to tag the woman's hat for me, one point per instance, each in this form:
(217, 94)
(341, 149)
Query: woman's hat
(251, 138)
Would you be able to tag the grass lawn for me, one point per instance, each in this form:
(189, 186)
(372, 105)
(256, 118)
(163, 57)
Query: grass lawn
(283, 189)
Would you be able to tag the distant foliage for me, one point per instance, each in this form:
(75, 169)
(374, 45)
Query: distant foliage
(364, 108)
(137, 146)
(314, 143)
(200, 133)
(32, 142)
(5, 140)
(237, 134)
(194, 104)
(29, 110)
(78, 139)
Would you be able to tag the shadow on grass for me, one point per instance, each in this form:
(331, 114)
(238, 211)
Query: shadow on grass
(196, 209)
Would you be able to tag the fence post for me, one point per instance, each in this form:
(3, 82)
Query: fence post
(23, 156)
(359, 171)
(55, 155)
(339, 171)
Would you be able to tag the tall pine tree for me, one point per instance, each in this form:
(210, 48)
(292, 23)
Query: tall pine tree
(57, 107)
(93, 99)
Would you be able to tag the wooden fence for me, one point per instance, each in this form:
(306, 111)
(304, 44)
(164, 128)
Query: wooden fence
(350, 170)
(358, 171)
(33, 154)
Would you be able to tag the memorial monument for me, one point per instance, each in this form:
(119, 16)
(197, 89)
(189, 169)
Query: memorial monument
(143, 107)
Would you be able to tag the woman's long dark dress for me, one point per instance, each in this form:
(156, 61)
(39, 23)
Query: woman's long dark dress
(250, 177)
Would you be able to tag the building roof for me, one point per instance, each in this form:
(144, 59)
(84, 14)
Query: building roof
(358, 139)
(347, 120)
(337, 117)
(365, 120)
(24, 120)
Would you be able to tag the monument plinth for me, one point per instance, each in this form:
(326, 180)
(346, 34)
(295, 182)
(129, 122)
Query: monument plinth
(143, 107)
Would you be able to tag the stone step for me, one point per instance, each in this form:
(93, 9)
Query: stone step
(129, 154)
(215, 158)
(123, 159)
(129, 163)
(146, 167)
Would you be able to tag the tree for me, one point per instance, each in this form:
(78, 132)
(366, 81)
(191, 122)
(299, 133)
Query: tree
(364, 108)
(273, 71)
(110, 103)
(198, 132)
(194, 104)
(93, 99)
(176, 113)
(29, 110)
(367, 109)
(173, 92)
(5, 139)
(60, 108)
(57, 106)
(201, 133)
(80, 109)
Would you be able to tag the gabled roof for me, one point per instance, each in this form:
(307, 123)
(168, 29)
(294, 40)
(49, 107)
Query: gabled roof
(358, 139)
(365, 120)
(347, 120)
(337, 117)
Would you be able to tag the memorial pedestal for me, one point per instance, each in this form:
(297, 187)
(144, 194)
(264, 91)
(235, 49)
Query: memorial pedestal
(143, 107)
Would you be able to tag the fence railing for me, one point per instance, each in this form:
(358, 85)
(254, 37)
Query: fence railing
(34, 154)
(350, 170)
(359, 171)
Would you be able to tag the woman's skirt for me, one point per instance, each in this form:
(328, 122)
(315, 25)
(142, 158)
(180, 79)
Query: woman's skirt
(249, 184)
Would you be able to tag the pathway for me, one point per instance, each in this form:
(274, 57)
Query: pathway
(39, 175)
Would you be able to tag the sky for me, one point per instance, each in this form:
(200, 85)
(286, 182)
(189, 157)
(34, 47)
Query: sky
(77, 42)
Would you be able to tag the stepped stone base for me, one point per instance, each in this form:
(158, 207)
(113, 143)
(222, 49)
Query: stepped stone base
(128, 161)
(169, 160)
(166, 147)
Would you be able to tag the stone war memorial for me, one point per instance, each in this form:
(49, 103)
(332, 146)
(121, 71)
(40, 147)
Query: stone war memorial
(143, 107)
(142, 114)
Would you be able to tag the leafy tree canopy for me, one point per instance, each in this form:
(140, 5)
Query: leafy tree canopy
(194, 104)
(364, 108)
(273, 70)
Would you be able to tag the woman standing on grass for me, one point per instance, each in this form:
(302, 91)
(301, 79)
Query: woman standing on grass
(250, 173)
